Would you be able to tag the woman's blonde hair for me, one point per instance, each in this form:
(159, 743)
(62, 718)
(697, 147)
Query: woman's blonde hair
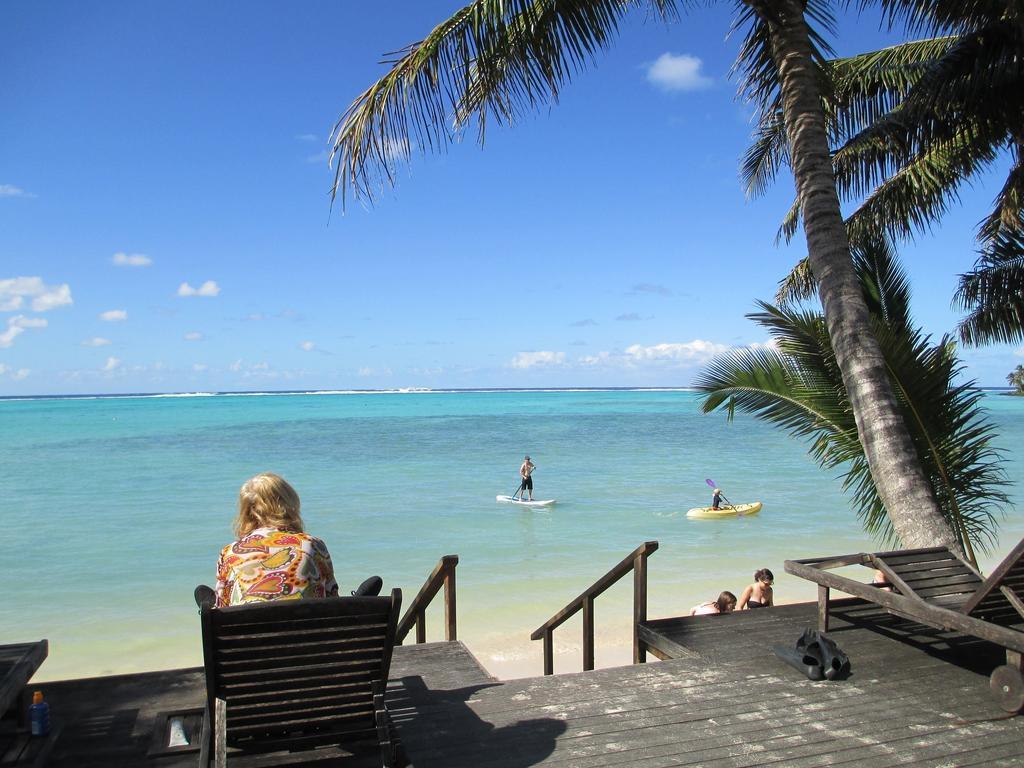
(267, 501)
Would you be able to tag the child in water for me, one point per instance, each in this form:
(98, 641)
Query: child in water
(725, 603)
(758, 594)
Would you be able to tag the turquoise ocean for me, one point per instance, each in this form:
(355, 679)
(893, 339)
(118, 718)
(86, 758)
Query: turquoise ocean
(118, 507)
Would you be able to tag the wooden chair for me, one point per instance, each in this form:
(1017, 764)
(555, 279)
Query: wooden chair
(295, 675)
(937, 588)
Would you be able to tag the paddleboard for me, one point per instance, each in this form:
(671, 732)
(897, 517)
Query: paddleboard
(525, 503)
(735, 510)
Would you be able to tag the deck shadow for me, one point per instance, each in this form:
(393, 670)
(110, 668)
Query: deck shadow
(441, 728)
(969, 653)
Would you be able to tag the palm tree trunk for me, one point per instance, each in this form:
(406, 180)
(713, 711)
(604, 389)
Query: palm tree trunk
(895, 468)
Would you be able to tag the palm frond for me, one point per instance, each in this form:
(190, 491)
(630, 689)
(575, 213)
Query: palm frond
(1008, 214)
(768, 153)
(976, 85)
(938, 16)
(799, 285)
(797, 385)
(913, 197)
(493, 59)
(868, 86)
(993, 293)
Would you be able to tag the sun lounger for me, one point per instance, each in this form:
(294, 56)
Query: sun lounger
(291, 675)
(937, 588)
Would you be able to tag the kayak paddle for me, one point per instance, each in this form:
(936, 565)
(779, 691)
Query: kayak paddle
(712, 483)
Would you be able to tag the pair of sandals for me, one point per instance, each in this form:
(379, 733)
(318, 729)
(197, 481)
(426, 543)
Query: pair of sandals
(817, 656)
(206, 597)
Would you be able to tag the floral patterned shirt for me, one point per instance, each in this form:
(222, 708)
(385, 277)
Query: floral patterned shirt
(269, 564)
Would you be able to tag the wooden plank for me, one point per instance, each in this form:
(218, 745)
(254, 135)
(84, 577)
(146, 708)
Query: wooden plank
(663, 643)
(839, 561)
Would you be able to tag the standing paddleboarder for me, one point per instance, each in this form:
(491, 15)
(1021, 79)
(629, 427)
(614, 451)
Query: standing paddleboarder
(526, 473)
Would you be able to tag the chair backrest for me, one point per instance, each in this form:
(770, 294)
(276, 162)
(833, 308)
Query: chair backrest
(297, 673)
(999, 598)
(936, 575)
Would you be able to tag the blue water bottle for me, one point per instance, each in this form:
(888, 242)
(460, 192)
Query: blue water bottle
(39, 715)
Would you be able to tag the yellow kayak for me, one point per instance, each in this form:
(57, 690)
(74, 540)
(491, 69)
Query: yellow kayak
(731, 510)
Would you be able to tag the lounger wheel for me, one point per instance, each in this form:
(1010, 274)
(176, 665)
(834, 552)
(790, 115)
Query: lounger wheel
(1008, 688)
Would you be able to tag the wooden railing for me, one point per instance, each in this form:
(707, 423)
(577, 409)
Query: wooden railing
(636, 561)
(416, 613)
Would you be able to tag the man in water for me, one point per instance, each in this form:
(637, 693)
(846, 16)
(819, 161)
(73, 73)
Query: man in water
(526, 473)
(716, 499)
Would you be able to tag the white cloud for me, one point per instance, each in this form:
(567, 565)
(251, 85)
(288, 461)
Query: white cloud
(14, 291)
(193, 336)
(114, 315)
(9, 190)
(96, 341)
(687, 352)
(264, 366)
(16, 326)
(236, 366)
(208, 289)
(1019, 352)
(678, 73)
(667, 355)
(660, 290)
(111, 364)
(198, 367)
(629, 317)
(367, 371)
(307, 137)
(131, 259)
(307, 346)
(17, 375)
(58, 296)
(601, 358)
(534, 359)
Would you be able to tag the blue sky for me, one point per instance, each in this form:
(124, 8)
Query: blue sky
(165, 221)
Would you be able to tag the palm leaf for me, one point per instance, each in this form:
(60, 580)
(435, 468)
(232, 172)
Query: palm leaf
(795, 384)
(493, 59)
(993, 293)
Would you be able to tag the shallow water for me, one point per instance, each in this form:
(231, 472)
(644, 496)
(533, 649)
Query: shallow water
(119, 506)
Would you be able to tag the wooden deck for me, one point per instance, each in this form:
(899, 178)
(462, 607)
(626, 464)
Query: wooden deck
(915, 697)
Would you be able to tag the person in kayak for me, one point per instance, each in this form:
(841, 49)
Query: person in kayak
(716, 499)
(725, 603)
(526, 474)
(759, 594)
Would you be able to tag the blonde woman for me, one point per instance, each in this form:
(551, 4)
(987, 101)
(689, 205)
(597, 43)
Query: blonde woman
(273, 558)
(725, 603)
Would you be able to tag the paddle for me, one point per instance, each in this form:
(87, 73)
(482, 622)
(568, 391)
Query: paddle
(712, 483)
